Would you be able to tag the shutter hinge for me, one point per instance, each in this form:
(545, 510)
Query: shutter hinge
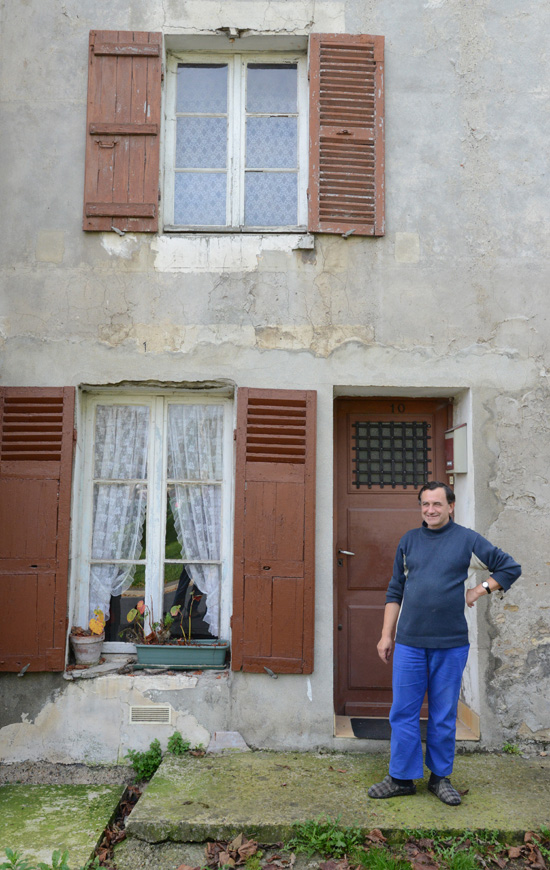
(234, 434)
(159, 195)
(231, 621)
(74, 436)
(162, 73)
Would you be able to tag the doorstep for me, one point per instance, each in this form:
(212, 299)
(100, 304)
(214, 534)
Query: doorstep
(467, 725)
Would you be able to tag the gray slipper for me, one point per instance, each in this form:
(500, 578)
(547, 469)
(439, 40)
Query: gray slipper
(388, 789)
(445, 791)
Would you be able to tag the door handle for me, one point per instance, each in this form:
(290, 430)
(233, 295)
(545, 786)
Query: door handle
(346, 552)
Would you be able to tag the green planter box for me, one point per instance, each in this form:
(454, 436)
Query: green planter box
(198, 655)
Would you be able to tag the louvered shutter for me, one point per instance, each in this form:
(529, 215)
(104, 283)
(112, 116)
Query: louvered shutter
(346, 161)
(36, 447)
(273, 582)
(123, 127)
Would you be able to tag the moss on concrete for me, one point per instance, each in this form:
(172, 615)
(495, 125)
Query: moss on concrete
(263, 794)
(37, 819)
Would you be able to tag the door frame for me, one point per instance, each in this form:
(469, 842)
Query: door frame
(439, 403)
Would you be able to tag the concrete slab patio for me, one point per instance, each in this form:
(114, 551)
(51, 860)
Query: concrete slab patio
(36, 820)
(262, 794)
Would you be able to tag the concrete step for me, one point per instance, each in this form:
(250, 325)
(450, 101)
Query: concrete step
(36, 820)
(262, 794)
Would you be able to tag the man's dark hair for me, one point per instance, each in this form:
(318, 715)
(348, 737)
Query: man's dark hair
(436, 484)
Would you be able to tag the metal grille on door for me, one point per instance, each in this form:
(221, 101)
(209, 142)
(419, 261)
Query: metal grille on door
(390, 454)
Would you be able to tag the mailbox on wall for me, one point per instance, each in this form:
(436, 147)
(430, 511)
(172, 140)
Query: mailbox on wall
(456, 450)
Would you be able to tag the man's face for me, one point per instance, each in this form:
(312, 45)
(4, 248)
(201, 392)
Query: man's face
(436, 510)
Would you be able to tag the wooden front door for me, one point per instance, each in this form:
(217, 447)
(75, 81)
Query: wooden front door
(386, 449)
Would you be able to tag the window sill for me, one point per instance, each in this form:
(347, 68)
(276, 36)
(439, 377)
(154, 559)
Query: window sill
(223, 252)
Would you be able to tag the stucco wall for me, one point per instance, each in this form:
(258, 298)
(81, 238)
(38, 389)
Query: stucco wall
(451, 302)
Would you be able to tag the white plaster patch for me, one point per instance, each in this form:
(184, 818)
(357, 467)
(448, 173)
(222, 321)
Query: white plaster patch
(434, 4)
(50, 246)
(309, 690)
(407, 247)
(120, 246)
(229, 253)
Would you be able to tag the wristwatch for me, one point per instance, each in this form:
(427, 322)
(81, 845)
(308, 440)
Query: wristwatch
(486, 586)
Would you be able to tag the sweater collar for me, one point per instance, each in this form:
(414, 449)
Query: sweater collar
(443, 530)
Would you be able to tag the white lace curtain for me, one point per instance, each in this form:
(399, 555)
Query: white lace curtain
(194, 466)
(120, 454)
(195, 456)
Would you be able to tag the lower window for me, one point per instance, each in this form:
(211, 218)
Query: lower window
(155, 503)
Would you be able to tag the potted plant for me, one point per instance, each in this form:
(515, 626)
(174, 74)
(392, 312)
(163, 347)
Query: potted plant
(160, 649)
(86, 642)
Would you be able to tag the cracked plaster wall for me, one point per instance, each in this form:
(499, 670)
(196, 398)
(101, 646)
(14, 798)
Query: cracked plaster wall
(454, 296)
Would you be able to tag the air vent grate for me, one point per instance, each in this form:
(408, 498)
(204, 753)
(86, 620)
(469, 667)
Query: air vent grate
(151, 714)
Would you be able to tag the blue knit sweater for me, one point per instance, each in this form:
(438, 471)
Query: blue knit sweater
(429, 572)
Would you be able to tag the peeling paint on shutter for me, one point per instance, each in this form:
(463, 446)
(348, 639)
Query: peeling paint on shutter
(346, 168)
(123, 127)
(36, 448)
(273, 583)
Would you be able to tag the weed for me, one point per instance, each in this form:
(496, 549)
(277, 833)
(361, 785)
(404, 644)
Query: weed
(378, 859)
(15, 861)
(177, 745)
(326, 837)
(59, 861)
(254, 862)
(511, 749)
(146, 763)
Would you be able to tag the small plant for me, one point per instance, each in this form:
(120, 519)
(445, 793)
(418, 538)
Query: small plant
(378, 859)
(146, 763)
(15, 861)
(160, 631)
(511, 749)
(96, 625)
(326, 837)
(59, 859)
(177, 745)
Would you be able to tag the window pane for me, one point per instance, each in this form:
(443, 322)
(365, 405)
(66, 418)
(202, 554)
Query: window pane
(195, 442)
(202, 88)
(199, 198)
(119, 514)
(120, 443)
(196, 512)
(271, 88)
(271, 143)
(196, 589)
(201, 143)
(271, 199)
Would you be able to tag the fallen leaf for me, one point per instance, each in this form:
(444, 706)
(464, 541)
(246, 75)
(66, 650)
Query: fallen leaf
(226, 860)
(514, 851)
(236, 843)
(376, 836)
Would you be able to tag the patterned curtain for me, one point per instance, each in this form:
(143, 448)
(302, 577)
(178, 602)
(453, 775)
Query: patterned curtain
(120, 499)
(195, 471)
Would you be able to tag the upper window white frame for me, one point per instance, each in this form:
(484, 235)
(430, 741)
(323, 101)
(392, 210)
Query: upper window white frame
(156, 506)
(237, 61)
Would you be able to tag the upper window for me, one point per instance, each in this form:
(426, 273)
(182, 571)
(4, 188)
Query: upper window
(242, 132)
(236, 142)
(155, 502)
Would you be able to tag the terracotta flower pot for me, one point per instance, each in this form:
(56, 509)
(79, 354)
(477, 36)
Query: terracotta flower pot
(87, 650)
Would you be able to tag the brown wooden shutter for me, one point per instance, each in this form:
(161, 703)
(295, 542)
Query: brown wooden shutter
(346, 161)
(36, 448)
(123, 126)
(273, 583)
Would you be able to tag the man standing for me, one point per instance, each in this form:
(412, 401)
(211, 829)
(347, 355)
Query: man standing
(426, 592)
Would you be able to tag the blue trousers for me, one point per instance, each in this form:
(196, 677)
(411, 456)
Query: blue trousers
(415, 671)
